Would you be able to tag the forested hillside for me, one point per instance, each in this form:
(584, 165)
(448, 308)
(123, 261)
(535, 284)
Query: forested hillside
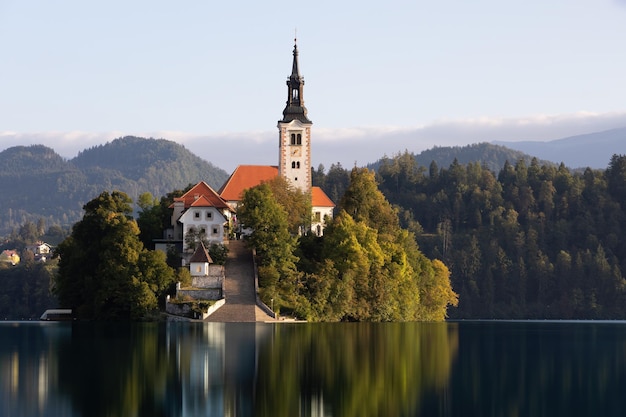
(36, 183)
(527, 241)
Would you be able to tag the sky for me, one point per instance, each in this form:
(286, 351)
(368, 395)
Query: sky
(381, 77)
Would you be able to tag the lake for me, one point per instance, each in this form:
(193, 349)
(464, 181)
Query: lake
(477, 368)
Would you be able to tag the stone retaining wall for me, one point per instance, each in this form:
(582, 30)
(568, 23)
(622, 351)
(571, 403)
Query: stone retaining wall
(184, 309)
(207, 282)
(201, 293)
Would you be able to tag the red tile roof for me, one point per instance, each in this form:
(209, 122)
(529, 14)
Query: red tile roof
(202, 201)
(320, 199)
(245, 177)
(248, 176)
(202, 195)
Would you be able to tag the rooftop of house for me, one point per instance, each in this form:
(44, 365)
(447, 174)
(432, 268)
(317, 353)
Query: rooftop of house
(202, 195)
(245, 177)
(202, 201)
(248, 176)
(320, 199)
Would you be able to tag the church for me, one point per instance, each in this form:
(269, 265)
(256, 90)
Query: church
(203, 210)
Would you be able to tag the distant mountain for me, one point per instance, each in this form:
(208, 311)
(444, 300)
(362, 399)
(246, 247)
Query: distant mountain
(35, 182)
(487, 154)
(592, 150)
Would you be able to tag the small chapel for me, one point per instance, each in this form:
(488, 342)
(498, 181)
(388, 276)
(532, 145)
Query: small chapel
(203, 210)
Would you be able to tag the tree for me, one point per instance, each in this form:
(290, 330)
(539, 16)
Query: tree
(267, 219)
(149, 219)
(616, 177)
(336, 182)
(104, 270)
(275, 245)
(364, 202)
(296, 204)
(374, 268)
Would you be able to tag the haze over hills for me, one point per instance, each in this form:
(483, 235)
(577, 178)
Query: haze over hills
(592, 150)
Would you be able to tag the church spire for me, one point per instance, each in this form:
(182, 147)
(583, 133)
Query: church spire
(295, 109)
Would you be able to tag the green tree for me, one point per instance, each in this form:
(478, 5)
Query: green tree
(267, 219)
(375, 268)
(279, 279)
(149, 219)
(616, 177)
(336, 182)
(364, 202)
(104, 270)
(296, 204)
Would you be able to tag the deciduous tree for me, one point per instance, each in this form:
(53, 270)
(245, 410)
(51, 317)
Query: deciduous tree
(104, 270)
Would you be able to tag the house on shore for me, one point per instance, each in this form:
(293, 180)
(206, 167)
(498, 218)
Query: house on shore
(41, 251)
(199, 214)
(10, 256)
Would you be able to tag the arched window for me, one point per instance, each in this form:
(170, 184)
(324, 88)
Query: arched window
(299, 139)
(298, 164)
(293, 138)
(293, 165)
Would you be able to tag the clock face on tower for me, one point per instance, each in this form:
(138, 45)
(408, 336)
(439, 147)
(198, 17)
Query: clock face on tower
(296, 151)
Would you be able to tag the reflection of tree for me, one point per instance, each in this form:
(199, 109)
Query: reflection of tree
(539, 369)
(346, 369)
(29, 369)
(356, 369)
(119, 370)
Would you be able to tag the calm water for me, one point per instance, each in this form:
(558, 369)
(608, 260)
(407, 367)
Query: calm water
(403, 369)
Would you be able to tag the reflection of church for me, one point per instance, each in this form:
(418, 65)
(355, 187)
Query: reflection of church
(204, 211)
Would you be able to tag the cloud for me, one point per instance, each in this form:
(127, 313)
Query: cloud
(349, 146)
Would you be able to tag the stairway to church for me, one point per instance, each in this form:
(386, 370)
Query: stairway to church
(240, 297)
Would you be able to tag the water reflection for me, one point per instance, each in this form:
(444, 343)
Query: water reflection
(340, 370)
(29, 370)
(354, 369)
(183, 369)
(540, 369)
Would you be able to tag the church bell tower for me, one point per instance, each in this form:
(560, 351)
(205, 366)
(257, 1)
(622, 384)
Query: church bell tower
(294, 160)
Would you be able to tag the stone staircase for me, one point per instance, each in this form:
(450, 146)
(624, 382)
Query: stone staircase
(239, 289)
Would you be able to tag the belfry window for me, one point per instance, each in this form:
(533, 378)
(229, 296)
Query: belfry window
(296, 139)
(293, 165)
